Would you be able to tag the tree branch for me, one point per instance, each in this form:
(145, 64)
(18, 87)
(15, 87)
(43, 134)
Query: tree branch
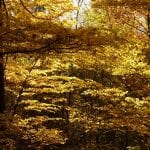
(51, 46)
(134, 27)
(23, 51)
(32, 13)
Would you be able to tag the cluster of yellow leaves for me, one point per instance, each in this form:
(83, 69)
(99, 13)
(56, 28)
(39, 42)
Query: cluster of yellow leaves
(53, 9)
(106, 93)
(126, 59)
(32, 128)
(136, 103)
(39, 106)
(18, 74)
(57, 84)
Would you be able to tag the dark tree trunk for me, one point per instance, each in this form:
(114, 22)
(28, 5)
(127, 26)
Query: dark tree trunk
(2, 91)
(148, 22)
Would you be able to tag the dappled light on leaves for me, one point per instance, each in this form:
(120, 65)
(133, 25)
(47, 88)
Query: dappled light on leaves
(74, 76)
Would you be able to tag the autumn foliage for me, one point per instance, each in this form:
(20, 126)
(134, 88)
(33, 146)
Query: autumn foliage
(75, 77)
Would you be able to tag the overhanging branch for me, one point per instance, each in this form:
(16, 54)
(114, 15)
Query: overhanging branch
(49, 47)
(25, 51)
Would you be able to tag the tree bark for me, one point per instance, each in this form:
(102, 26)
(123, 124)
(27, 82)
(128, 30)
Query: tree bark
(2, 90)
(148, 22)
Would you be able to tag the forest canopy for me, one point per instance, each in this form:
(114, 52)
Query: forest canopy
(74, 74)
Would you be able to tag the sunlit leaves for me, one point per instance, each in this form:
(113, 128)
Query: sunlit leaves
(107, 94)
(127, 59)
(48, 9)
(26, 128)
(38, 106)
(56, 84)
(100, 84)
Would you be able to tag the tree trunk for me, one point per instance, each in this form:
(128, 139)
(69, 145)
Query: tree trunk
(148, 22)
(2, 90)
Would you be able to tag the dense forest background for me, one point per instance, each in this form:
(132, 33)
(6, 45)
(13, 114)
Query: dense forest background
(74, 75)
